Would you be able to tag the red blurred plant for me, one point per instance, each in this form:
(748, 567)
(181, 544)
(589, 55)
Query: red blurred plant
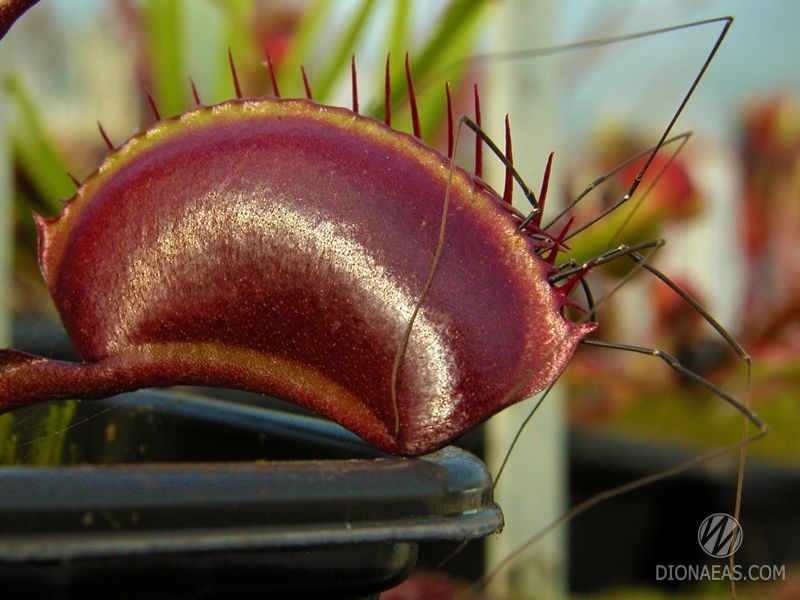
(667, 194)
(770, 224)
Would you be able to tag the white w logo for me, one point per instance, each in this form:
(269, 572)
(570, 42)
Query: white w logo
(719, 535)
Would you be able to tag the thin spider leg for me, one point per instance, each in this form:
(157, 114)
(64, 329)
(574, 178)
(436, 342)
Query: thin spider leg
(675, 364)
(650, 188)
(621, 250)
(400, 354)
(737, 347)
(608, 495)
(638, 179)
(492, 57)
(519, 433)
(458, 549)
(587, 291)
(603, 178)
(683, 138)
(455, 552)
(642, 262)
(586, 44)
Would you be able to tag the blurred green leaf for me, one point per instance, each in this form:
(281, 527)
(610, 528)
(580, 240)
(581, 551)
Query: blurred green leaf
(8, 440)
(456, 29)
(433, 107)
(25, 228)
(47, 447)
(342, 52)
(452, 40)
(38, 157)
(399, 28)
(304, 43)
(47, 440)
(237, 15)
(163, 22)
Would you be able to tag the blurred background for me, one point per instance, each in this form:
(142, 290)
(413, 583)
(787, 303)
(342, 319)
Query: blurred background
(728, 205)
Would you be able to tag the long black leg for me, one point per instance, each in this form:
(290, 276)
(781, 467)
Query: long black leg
(613, 493)
(400, 354)
(638, 179)
(401, 349)
(463, 544)
(641, 261)
(632, 252)
(587, 291)
(646, 193)
(519, 433)
(528, 193)
(622, 250)
(627, 197)
(727, 21)
(737, 347)
(681, 137)
(586, 44)
(678, 367)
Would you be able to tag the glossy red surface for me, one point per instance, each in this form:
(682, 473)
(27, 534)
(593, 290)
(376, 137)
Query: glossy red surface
(281, 246)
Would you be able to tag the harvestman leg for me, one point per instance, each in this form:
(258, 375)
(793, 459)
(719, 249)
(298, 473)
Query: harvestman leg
(744, 408)
(680, 138)
(633, 254)
(606, 257)
(571, 267)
